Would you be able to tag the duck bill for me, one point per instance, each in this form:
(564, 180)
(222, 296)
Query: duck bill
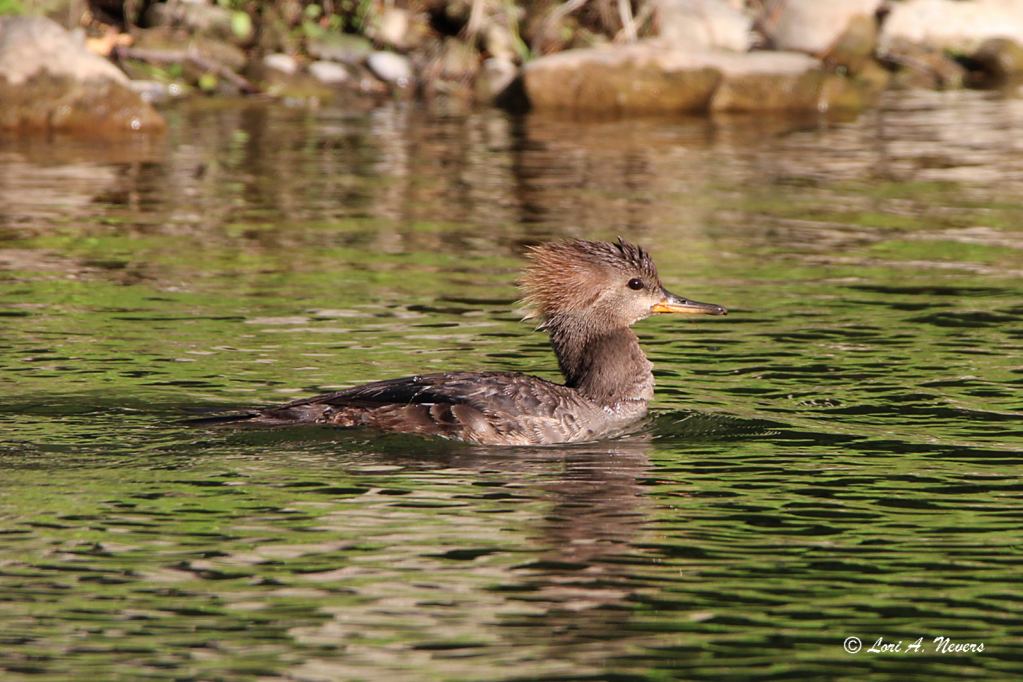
(676, 304)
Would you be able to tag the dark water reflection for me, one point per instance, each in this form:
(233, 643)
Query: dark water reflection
(838, 457)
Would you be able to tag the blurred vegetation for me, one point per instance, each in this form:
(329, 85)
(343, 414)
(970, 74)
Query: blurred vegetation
(536, 26)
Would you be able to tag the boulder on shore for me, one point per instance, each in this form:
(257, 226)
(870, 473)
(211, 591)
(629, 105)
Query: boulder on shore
(956, 27)
(814, 27)
(50, 81)
(650, 77)
(840, 32)
(695, 24)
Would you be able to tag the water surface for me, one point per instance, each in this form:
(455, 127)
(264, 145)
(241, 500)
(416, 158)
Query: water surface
(838, 457)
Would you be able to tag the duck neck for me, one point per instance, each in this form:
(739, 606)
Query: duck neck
(606, 366)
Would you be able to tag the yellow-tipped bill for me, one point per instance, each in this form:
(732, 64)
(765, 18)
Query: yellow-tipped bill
(677, 304)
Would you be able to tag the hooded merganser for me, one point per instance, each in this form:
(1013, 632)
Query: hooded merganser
(585, 294)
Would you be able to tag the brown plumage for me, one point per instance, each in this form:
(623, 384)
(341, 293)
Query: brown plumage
(586, 295)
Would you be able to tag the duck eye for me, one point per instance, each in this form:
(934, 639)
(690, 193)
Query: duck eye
(635, 284)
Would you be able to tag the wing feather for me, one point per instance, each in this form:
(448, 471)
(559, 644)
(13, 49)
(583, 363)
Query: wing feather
(481, 407)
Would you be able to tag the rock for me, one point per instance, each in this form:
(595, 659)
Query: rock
(220, 51)
(400, 29)
(649, 77)
(29, 45)
(151, 91)
(452, 70)
(211, 20)
(284, 63)
(957, 27)
(495, 77)
(194, 61)
(156, 92)
(211, 49)
(854, 49)
(873, 78)
(279, 75)
(924, 67)
(840, 32)
(390, 68)
(333, 47)
(459, 60)
(693, 24)
(365, 83)
(50, 81)
(813, 26)
(329, 73)
(1000, 59)
(621, 79)
(390, 27)
(753, 88)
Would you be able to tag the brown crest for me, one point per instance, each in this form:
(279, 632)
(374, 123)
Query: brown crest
(568, 276)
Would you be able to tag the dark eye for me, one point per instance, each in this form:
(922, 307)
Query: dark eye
(635, 284)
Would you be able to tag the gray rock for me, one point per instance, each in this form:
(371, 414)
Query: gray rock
(284, 63)
(49, 81)
(390, 27)
(150, 91)
(157, 92)
(694, 24)
(220, 51)
(958, 27)
(813, 26)
(390, 68)
(199, 18)
(29, 45)
(651, 77)
(329, 73)
(347, 49)
(853, 50)
(210, 49)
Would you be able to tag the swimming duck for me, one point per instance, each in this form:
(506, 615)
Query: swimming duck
(585, 295)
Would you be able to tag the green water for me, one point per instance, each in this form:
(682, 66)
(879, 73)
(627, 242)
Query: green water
(838, 457)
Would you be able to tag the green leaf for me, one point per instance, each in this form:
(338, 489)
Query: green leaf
(241, 24)
(207, 82)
